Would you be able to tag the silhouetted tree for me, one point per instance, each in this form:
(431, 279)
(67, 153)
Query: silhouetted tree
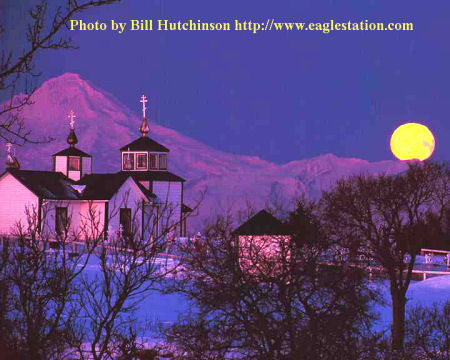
(388, 218)
(269, 297)
(17, 66)
(129, 267)
(38, 285)
(428, 332)
(51, 308)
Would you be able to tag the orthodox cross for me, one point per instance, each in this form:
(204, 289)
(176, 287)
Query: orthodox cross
(143, 101)
(72, 117)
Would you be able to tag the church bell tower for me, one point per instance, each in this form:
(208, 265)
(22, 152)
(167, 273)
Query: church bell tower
(71, 161)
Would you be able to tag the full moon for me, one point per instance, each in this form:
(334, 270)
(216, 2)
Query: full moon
(412, 141)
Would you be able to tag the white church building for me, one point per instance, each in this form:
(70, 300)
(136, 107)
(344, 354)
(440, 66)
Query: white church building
(144, 198)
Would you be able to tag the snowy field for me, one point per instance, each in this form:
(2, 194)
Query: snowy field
(155, 306)
(166, 308)
(427, 292)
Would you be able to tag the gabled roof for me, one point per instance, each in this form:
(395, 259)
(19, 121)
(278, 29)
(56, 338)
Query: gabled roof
(56, 186)
(72, 151)
(46, 184)
(101, 186)
(149, 195)
(104, 186)
(153, 175)
(144, 144)
(263, 223)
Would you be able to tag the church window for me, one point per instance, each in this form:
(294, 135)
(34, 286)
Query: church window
(163, 161)
(128, 161)
(141, 161)
(153, 161)
(125, 221)
(74, 163)
(61, 219)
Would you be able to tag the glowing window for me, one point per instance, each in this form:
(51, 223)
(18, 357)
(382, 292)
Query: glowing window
(74, 163)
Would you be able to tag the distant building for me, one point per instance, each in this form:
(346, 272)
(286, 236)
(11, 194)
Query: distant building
(143, 194)
(263, 243)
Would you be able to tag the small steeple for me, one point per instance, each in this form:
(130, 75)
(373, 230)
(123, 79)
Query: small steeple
(11, 160)
(72, 139)
(144, 125)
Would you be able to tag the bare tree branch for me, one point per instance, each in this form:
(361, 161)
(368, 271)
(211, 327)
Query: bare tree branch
(17, 71)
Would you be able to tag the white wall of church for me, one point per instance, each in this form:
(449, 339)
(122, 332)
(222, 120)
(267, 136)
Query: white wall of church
(86, 165)
(128, 196)
(169, 193)
(91, 218)
(74, 175)
(14, 200)
(61, 164)
(86, 218)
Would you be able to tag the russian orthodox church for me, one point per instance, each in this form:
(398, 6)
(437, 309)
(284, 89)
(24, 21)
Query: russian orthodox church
(143, 198)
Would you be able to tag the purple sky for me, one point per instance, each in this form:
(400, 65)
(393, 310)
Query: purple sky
(281, 96)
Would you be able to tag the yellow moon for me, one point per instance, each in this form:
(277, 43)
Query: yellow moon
(412, 141)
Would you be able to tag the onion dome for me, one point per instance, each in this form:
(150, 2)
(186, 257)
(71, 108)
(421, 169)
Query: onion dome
(144, 125)
(11, 160)
(72, 139)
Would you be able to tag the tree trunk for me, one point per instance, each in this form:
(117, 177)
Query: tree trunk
(398, 320)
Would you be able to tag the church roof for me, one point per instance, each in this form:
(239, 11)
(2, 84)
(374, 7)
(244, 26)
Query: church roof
(72, 151)
(144, 144)
(154, 175)
(46, 184)
(104, 186)
(56, 186)
(263, 223)
(101, 186)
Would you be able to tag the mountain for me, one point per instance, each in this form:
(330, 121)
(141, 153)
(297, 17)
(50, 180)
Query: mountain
(104, 124)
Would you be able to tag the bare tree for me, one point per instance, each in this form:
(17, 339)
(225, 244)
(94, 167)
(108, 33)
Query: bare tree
(428, 332)
(40, 283)
(268, 297)
(387, 218)
(53, 308)
(130, 265)
(18, 70)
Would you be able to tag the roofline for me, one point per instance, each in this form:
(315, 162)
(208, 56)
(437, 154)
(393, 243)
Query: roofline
(86, 154)
(125, 178)
(137, 185)
(19, 180)
(133, 172)
(122, 149)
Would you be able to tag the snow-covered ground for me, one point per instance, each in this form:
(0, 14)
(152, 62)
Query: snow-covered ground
(166, 308)
(427, 292)
(155, 306)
